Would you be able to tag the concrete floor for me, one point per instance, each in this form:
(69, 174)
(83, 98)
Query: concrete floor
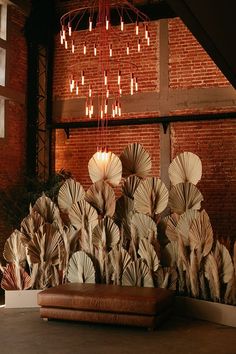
(23, 332)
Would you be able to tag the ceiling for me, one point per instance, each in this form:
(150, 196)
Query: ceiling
(212, 22)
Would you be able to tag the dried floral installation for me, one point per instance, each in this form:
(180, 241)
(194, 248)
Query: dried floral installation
(89, 236)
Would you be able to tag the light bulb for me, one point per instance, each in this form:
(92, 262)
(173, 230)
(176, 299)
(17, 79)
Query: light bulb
(121, 24)
(69, 29)
(136, 28)
(85, 48)
(90, 24)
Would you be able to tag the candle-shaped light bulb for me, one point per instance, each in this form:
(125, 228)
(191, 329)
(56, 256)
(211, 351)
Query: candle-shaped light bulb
(63, 32)
(85, 48)
(72, 46)
(119, 109)
(116, 108)
(139, 45)
(132, 84)
(113, 111)
(148, 39)
(95, 50)
(90, 24)
(146, 31)
(136, 28)
(61, 37)
(121, 24)
(105, 77)
(107, 23)
(119, 77)
(77, 88)
(110, 50)
(106, 106)
(120, 90)
(82, 78)
(69, 29)
(90, 91)
(91, 108)
(127, 49)
(136, 84)
(66, 44)
(107, 93)
(86, 108)
(101, 112)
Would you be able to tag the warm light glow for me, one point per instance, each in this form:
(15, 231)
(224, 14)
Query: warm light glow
(139, 45)
(136, 29)
(95, 50)
(69, 29)
(121, 24)
(85, 48)
(90, 24)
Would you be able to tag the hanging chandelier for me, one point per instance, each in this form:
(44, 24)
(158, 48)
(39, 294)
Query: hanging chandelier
(104, 39)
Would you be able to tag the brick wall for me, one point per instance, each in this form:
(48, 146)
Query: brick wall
(189, 67)
(12, 147)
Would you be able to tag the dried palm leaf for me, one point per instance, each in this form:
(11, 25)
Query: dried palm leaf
(193, 274)
(102, 197)
(166, 277)
(81, 269)
(14, 250)
(147, 252)
(83, 215)
(119, 259)
(184, 196)
(30, 224)
(143, 225)
(124, 205)
(211, 273)
(137, 273)
(171, 223)
(170, 254)
(44, 247)
(15, 278)
(151, 196)
(224, 262)
(47, 209)
(184, 224)
(201, 235)
(136, 161)
(106, 234)
(130, 185)
(186, 167)
(69, 193)
(108, 170)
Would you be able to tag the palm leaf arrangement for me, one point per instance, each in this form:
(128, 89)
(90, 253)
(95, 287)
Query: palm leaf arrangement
(130, 240)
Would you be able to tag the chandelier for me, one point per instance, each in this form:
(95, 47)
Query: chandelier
(104, 38)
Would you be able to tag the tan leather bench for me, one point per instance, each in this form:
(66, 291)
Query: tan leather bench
(135, 306)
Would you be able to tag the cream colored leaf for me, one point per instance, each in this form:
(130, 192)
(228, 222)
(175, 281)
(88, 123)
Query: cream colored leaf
(211, 273)
(30, 224)
(70, 193)
(193, 274)
(102, 197)
(147, 252)
(15, 278)
(151, 196)
(106, 234)
(108, 169)
(47, 209)
(45, 244)
(170, 254)
(81, 269)
(171, 223)
(186, 167)
(143, 225)
(82, 214)
(136, 161)
(119, 259)
(14, 250)
(137, 273)
(184, 224)
(184, 196)
(201, 234)
(130, 185)
(224, 262)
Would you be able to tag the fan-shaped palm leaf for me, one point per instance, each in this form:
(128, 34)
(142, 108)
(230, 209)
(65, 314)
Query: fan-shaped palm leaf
(119, 259)
(14, 250)
(81, 269)
(186, 167)
(137, 273)
(44, 247)
(130, 185)
(193, 274)
(82, 214)
(109, 169)
(143, 225)
(147, 252)
(15, 278)
(136, 161)
(170, 254)
(171, 223)
(184, 196)
(184, 224)
(30, 224)
(166, 277)
(201, 235)
(106, 234)
(102, 197)
(211, 273)
(69, 193)
(47, 209)
(224, 262)
(151, 196)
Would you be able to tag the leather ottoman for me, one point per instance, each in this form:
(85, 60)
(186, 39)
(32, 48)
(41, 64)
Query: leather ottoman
(136, 306)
